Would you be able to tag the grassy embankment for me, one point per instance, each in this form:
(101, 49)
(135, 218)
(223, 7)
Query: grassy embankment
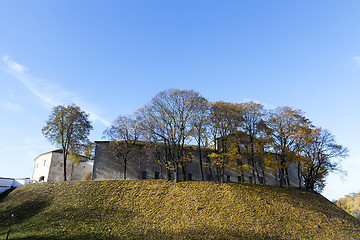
(152, 209)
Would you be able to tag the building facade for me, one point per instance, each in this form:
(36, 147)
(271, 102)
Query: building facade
(146, 165)
(7, 183)
(48, 167)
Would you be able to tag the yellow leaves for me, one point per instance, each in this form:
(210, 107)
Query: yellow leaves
(351, 204)
(163, 210)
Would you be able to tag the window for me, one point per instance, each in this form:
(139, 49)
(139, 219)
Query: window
(157, 175)
(250, 180)
(228, 178)
(261, 180)
(189, 176)
(44, 162)
(208, 177)
(143, 174)
(41, 179)
(239, 178)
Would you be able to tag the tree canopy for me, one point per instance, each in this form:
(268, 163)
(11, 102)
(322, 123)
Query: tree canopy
(351, 204)
(270, 140)
(123, 134)
(168, 119)
(68, 128)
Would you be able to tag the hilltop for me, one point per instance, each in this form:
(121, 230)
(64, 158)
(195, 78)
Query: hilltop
(158, 209)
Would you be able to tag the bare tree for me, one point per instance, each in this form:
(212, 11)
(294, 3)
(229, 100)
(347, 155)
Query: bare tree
(168, 117)
(123, 135)
(321, 155)
(200, 122)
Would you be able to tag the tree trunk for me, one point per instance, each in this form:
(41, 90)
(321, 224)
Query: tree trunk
(287, 176)
(240, 163)
(253, 170)
(124, 174)
(161, 171)
(263, 173)
(252, 160)
(184, 172)
(281, 177)
(168, 174)
(176, 180)
(64, 159)
(218, 173)
(282, 172)
(200, 161)
(222, 174)
(299, 174)
(210, 171)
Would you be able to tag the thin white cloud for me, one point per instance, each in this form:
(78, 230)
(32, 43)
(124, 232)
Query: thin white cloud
(357, 60)
(39, 88)
(13, 65)
(49, 93)
(13, 107)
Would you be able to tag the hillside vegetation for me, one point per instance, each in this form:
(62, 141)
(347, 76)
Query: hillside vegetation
(351, 204)
(158, 209)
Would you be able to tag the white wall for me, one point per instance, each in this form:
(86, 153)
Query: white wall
(42, 166)
(6, 183)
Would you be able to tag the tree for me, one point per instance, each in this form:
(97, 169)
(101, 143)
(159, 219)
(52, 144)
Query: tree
(351, 204)
(123, 135)
(253, 127)
(321, 155)
(223, 122)
(167, 118)
(199, 122)
(284, 124)
(69, 128)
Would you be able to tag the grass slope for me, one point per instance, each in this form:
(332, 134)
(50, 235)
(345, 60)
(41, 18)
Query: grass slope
(157, 209)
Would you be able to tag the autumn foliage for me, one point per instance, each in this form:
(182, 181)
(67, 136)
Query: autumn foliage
(243, 136)
(351, 204)
(159, 209)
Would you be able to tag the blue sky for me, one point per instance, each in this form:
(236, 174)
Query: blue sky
(112, 57)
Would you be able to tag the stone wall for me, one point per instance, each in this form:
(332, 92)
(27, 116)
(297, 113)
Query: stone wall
(83, 171)
(144, 165)
(48, 167)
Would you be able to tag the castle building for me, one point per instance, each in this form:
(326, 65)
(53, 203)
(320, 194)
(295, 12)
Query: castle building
(48, 167)
(148, 163)
(145, 164)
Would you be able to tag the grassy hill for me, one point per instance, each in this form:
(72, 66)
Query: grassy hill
(157, 209)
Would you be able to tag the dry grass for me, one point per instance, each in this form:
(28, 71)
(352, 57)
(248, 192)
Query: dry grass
(157, 209)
